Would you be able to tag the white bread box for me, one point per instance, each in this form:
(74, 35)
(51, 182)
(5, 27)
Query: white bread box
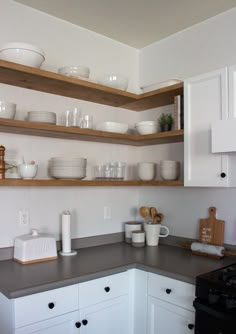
(35, 247)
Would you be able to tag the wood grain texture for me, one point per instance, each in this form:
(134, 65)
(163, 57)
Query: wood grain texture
(211, 230)
(86, 183)
(63, 132)
(58, 84)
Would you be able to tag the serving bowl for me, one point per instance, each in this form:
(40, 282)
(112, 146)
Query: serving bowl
(114, 80)
(7, 110)
(115, 127)
(146, 127)
(75, 71)
(27, 171)
(22, 53)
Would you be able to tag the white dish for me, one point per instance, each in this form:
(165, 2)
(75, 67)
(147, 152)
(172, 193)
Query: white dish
(22, 53)
(147, 129)
(160, 85)
(113, 80)
(112, 127)
(27, 171)
(75, 71)
(7, 110)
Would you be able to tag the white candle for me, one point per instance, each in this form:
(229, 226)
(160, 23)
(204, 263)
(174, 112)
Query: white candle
(66, 239)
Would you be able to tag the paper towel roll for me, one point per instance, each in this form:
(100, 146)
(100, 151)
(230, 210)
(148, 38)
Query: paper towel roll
(208, 249)
(66, 241)
(66, 234)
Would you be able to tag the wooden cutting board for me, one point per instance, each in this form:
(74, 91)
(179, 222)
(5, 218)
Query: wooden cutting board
(211, 230)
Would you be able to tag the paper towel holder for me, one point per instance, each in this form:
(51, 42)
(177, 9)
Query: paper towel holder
(66, 239)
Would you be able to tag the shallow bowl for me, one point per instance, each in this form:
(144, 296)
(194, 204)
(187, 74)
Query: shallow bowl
(7, 110)
(113, 127)
(114, 80)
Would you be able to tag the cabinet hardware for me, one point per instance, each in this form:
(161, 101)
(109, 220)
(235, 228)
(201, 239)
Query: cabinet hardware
(51, 305)
(107, 289)
(168, 291)
(78, 324)
(84, 322)
(223, 175)
(190, 326)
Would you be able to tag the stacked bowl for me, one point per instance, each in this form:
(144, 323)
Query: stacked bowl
(42, 116)
(67, 167)
(169, 170)
(146, 127)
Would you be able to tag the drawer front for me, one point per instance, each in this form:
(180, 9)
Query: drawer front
(45, 305)
(103, 289)
(171, 290)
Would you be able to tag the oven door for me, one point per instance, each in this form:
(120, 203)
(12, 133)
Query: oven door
(211, 321)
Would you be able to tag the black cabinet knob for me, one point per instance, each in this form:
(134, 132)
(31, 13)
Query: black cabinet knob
(190, 326)
(223, 175)
(78, 324)
(51, 305)
(168, 291)
(107, 289)
(84, 322)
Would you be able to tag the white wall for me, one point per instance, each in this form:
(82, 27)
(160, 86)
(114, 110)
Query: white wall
(64, 44)
(202, 48)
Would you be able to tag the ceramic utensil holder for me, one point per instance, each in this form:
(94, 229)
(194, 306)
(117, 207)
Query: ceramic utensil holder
(153, 233)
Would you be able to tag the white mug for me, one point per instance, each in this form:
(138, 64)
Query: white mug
(153, 233)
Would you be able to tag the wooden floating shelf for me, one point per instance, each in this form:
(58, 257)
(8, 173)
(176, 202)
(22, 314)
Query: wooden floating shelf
(85, 183)
(58, 84)
(63, 132)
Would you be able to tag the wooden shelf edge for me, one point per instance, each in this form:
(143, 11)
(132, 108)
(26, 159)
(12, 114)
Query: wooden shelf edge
(86, 183)
(63, 132)
(58, 84)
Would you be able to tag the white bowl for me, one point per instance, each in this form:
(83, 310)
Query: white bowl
(146, 171)
(7, 110)
(22, 53)
(75, 71)
(114, 80)
(27, 171)
(112, 127)
(146, 129)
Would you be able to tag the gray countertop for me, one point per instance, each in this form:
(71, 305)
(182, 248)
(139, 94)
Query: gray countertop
(18, 280)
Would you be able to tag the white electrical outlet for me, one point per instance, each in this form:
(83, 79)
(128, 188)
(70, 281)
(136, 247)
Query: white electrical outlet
(23, 218)
(107, 212)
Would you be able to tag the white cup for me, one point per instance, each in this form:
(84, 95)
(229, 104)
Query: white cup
(146, 171)
(153, 233)
(129, 228)
(138, 238)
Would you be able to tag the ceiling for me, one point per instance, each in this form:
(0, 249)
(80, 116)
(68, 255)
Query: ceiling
(136, 23)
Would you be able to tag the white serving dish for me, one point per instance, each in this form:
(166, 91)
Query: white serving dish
(7, 110)
(115, 127)
(146, 127)
(22, 53)
(75, 71)
(160, 85)
(113, 80)
(35, 247)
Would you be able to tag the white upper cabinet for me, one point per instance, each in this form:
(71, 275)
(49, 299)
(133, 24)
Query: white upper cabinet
(206, 101)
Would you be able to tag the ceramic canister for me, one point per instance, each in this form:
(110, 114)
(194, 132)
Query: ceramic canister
(138, 238)
(129, 228)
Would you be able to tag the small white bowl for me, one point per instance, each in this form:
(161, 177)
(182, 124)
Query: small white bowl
(75, 71)
(115, 127)
(146, 127)
(22, 53)
(27, 171)
(113, 80)
(146, 171)
(7, 110)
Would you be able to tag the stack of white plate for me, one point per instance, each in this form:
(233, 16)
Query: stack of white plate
(67, 167)
(42, 116)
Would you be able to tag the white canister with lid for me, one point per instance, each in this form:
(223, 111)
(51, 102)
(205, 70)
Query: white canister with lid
(129, 228)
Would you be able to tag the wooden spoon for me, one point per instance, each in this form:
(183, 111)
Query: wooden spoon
(159, 218)
(144, 212)
(153, 213)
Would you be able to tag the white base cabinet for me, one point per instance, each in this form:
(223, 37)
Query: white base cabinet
(165, 318)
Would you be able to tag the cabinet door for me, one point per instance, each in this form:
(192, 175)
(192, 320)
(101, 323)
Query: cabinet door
(206, 100)
(232, 91)
(110, 317)
(65, 324)
(165, 318)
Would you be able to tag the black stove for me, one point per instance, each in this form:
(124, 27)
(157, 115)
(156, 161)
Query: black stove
(215, 302)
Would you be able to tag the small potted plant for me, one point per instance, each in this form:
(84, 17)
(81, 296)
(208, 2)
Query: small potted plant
(166, 121)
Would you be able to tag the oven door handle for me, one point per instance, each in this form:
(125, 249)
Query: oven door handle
(210, 310)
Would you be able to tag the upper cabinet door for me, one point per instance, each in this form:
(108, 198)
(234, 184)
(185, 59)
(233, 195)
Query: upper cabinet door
(232, 91)
(205, 101)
